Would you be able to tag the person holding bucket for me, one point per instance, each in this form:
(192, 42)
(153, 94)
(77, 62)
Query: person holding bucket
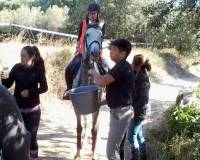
(119, 87)
(91, 21)
(27, 75)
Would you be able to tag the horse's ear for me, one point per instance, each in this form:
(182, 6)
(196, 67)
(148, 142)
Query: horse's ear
(101, 24)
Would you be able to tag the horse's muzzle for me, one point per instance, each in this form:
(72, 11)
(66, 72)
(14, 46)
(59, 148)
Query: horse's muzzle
(95, 50)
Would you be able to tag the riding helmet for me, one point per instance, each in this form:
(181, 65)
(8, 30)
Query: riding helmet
(94, 7)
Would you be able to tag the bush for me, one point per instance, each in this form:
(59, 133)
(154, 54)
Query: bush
(49, 19)
(35, 17)
(178, 136)
(184, 120)
(55, 66)
(198, 91)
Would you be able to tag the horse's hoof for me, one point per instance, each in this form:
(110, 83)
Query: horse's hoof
(94, 156)
(77, 157)
(66, 97)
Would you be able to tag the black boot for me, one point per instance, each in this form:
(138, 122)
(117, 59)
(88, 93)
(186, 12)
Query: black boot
(143, 153)
(134, 154)
(143, 157)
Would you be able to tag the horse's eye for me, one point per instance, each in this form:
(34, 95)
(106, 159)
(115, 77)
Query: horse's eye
(87, 34)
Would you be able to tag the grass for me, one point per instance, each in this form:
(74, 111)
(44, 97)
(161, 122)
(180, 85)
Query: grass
(55, 66)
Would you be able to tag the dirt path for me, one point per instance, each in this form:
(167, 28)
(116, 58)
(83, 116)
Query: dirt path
(57, 133)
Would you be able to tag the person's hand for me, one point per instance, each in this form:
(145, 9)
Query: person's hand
(25, 93)
(77, 49)
(3, 75)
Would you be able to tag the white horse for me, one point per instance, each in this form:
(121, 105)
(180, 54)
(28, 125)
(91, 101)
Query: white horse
(91, 58)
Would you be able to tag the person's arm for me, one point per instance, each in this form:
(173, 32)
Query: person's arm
(79, 36)
(10, 80)
(101, 80)
(42, 87)
(115, 73)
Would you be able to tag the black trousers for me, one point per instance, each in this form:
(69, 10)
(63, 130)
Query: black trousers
(72, 69)
(32, 121)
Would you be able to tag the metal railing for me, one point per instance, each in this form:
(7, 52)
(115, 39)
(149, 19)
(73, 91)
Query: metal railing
(30, 30)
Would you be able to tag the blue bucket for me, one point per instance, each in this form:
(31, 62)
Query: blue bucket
(85, 99)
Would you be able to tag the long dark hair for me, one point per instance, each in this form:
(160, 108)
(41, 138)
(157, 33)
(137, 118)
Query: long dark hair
(138, 60)
(38, 61)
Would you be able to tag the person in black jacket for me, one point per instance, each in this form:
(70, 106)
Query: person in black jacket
(14, 138)
(27, 75)
(140, 102)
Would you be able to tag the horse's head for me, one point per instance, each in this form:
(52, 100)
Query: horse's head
(91, 55)
(93, 44)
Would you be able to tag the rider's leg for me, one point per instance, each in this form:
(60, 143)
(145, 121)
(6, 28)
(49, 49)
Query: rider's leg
(71, 70)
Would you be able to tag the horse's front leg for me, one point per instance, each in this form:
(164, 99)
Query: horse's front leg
(94, 130)
(79, 134)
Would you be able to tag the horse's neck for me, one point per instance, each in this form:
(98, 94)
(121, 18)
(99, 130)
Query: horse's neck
(85, 78)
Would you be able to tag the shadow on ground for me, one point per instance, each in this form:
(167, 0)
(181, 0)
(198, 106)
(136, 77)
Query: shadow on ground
(174, 68)
(55, 141)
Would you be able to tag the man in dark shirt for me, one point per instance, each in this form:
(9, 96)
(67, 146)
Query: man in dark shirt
(119, 86)
(14, 138)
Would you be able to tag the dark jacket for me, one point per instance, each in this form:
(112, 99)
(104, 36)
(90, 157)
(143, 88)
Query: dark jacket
(27, 79)
(14, 138)
(141, 94)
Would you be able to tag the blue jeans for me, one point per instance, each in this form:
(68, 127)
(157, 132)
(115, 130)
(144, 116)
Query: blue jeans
(136, 138)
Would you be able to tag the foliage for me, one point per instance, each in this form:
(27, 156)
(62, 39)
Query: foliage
(184, 120)
(178, 136)
(55, 65)
(198, 91)
(167, 23)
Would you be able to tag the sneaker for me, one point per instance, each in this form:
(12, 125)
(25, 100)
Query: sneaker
(34, 155)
